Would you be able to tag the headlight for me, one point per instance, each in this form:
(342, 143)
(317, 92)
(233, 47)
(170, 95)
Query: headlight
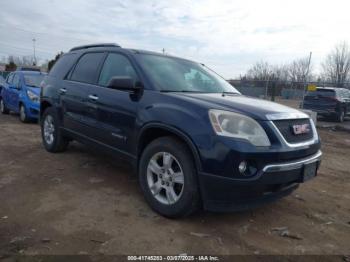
(231, 124)
(32, 96)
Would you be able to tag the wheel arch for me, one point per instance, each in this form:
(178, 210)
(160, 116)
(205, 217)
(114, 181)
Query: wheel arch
(44, 104)
(153, 131)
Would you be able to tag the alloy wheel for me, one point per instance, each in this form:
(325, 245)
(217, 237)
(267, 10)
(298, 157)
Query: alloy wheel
(49, 130)
(165, 178)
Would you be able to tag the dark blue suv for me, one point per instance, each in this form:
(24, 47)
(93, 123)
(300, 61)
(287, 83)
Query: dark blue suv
(192, 138)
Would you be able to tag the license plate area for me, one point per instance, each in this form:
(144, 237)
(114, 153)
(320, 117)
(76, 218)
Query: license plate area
(309, 171)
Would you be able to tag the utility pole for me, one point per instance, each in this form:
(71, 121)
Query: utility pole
(267, 85)
(34, 62)
(305, 76)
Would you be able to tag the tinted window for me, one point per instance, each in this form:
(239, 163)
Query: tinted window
(63, 65)
(322, 92)
(9, 79)
(86, 69)
(116, 65)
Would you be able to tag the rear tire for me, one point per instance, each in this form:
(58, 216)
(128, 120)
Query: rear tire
(168, 178)
(51, 134)
(3, 108)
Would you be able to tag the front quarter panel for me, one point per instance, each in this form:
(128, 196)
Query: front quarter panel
(190, 120)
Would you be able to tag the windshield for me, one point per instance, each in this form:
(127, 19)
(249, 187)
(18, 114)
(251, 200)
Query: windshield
(33, 80)
(177, 75)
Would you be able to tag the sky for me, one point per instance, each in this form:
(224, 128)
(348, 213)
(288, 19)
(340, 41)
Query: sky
(226, 35)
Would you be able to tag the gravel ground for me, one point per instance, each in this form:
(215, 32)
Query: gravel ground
(83, 202)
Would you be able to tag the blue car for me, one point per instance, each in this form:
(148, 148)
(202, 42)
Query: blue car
(20, 94)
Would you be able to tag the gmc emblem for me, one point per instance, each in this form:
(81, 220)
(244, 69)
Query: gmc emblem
(301, 129)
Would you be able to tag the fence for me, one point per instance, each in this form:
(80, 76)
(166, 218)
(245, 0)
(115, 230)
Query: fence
(281, 89)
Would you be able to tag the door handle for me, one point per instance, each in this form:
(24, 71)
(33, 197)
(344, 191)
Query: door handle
(93, 97)
(63, 90)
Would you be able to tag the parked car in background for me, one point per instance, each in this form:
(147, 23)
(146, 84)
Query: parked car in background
(328, 102)
(21, 93)
(193, 139)
(2, 83)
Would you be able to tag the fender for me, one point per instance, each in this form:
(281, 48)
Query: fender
(177, 132)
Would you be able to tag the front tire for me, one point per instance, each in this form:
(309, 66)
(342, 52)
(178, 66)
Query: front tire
(23, 114)
(341, 115)
(52, 136)
(168, 178)
(3, 108)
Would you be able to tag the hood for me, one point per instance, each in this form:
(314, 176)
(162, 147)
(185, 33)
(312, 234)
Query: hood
(35, 90)
(253, 107)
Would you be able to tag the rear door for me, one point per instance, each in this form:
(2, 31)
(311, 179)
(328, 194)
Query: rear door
(115, 110)
(75, 93)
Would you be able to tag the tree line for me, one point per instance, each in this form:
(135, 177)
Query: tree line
(335, 70)
(12, 62)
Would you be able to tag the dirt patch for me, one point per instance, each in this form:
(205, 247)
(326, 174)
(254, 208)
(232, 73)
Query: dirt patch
(83, 202)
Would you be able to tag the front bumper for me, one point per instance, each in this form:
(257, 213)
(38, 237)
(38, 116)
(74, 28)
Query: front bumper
(33, 110)
(272, 182)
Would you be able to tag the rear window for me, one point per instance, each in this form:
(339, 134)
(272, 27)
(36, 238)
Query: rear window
(324, 93)
(86, 70)
(63, 65)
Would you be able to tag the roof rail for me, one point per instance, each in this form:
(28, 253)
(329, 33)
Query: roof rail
(94, 45)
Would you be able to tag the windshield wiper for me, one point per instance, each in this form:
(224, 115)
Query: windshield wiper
(229, 93)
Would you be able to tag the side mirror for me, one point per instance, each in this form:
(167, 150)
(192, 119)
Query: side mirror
(123, 83)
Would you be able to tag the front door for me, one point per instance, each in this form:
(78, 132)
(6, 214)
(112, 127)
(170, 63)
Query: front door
(115, 110)
(13, 93)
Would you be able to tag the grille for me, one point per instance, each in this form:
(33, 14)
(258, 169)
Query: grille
(286, 129)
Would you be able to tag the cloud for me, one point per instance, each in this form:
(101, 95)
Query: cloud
(228, 35)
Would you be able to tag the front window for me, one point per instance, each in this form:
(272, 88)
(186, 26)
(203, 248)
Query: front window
(171, 74)
(33, 80)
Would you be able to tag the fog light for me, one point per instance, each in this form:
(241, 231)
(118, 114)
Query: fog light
(242, 167)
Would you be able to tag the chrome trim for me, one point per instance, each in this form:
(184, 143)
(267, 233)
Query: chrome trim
(293, 165)
(313, 140)
(285, 116)
(93, 97)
